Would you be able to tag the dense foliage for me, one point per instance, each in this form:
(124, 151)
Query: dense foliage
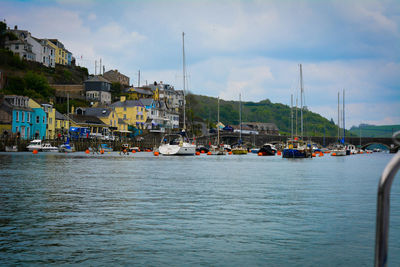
(205, 109)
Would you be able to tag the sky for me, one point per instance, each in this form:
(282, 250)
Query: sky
(252, 47)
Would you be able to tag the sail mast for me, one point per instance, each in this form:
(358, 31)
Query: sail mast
(240, 117)
(338, 116)
(184, 80)
(344, 128)
(218, 123)
(291, 113)
(301, 100)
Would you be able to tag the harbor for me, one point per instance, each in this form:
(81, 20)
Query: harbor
(139, 209)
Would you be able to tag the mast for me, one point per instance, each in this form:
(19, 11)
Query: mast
(301, 100)
(218, 123)
(240, 117)
(338, 116)
(291, 113)
(344, 127)
(184, 80)
(297, 101)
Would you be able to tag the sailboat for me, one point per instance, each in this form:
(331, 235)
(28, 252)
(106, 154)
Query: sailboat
(239, 149)
(179, 144)
(339, 149)
(295, 146)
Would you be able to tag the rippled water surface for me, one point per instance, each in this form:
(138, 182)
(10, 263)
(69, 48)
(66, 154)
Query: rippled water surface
(206, 210)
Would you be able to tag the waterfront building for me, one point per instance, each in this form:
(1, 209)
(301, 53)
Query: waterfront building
(98, 89)
(39, 119)
(262, 127)
(62, 123)
(166, 92)
(6, 117)
(48, 53)
(158, 115)
(115, 76)
(95, 125)
(23, 46)
(50, 116)
(107, 116)
(132, 112)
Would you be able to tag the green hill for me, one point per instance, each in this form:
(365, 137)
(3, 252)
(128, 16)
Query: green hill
(205, 109)
(366, 130)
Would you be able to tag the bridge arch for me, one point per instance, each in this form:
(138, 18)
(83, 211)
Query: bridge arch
(364, 146)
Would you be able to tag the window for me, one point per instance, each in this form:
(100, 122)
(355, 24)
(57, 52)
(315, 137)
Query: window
(141, 117)
(59, 52)
(50, 120)
(124, 116)
(44, 49)
(28, 117)
(16, 129)
(124, 108)
(16, 115)
(37, 119)
(16, 47)
(44, 119)
(22, 116)
(111, 122)
(28, 132)
(44, 59)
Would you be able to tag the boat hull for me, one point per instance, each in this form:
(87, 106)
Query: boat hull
(295, 153)
(338, 153)
(172, 150)
(239, 151)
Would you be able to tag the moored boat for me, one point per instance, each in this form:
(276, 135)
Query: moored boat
(267, 150)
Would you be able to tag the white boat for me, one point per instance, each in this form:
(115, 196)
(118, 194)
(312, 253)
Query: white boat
(338, 150)
(47, 147)
(179, 144)
(176, 145)
(35, 145)
(12, 148)
(352, 148)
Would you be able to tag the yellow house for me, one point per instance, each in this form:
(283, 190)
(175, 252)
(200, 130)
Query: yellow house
(62, 124)
(51, 116)
(136, 93)
(132, 112)
(107, 115)
(61, 54)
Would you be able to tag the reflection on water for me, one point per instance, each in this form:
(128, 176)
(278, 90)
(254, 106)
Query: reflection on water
(229, 210)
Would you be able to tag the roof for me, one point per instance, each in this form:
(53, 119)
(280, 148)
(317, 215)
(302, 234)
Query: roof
(127, 103)
(97, 78)
(60, 116)
(97, 112)
(83, 119)
(146, 101)
(140, 90)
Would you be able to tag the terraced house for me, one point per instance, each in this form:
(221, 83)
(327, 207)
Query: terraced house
(132, 112)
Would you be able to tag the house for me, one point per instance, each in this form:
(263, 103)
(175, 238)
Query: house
(95, 125)
(136, 93)
(98, 89)
(132, 112)
(50, 115)
(165, 92)
(27, 122)
(61, 55)
(159, 116)
(48, 53)
(62, 123)
(107, 115)
(21, 48)
(116, 76)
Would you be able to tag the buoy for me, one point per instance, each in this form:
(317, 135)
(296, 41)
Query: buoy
(230, 152)
(87, 151)
(321, 154)
(102, 151)
(133, 151)
(259, 153)
(156, 153)
(197, 153)
(148, 150)
(209, 153)
(327, 152)
(202, 152)
(138, 150)
(124, 151)
(333, 154)
(35, 151)
(314, 155)
(279, 153)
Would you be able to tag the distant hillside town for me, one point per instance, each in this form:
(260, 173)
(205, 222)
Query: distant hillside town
(104, 105)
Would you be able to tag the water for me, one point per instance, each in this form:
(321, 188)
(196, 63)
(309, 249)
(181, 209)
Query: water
(58, 209)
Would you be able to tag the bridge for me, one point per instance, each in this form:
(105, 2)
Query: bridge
(258, 140)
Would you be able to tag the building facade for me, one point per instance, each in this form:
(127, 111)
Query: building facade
(116, 76)
(98, 89)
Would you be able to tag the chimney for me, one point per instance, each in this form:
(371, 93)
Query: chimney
(15, 27)
(72, 110)
(123, 98)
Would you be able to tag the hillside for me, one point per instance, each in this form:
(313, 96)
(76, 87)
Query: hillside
(374, 131)
(205, 109)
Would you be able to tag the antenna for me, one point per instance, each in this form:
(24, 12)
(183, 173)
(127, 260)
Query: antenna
(100, 67)
(138, 83)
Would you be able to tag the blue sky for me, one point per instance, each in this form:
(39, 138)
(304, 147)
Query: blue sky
(232, 47)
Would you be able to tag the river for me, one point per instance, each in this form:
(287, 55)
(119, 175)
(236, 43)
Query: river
(106, 210)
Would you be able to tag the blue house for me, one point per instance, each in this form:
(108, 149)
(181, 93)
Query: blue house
(27, 122)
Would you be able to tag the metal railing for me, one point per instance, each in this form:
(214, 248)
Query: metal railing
(383, 208)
